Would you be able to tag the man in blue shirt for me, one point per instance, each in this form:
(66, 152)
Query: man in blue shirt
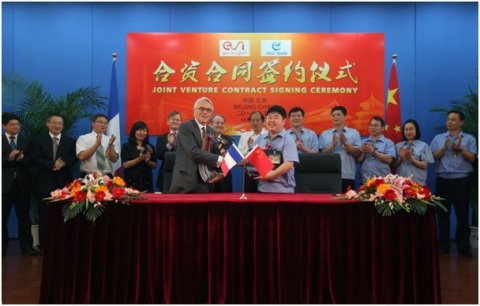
(454, 151)
(306, 140)
(344, 141)
(378, 152)
(282, 151)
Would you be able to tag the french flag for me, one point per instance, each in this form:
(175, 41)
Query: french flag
(114, 117)
(233, 157)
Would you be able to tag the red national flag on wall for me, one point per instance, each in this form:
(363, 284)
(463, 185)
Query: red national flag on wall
(393, 117)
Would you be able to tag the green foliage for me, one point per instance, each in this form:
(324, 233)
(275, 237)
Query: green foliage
(33, 104)
(469, 106)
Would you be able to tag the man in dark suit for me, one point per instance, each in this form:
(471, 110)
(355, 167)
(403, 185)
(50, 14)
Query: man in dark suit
(16, 183)
(54, 154)
(167, 143)
(187, 177)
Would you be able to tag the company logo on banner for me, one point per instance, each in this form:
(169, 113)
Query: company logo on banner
(234, 47)
(276, 48)
(246, 72)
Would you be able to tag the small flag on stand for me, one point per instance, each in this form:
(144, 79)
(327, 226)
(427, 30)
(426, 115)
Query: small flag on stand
(259, 160)
(393, 117)
(114, 116)
(233, 157)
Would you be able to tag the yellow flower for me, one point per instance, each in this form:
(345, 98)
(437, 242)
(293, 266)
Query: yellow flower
(101, 188)
(118, 181)
(383, 188)
(370, 183)
(75, 189)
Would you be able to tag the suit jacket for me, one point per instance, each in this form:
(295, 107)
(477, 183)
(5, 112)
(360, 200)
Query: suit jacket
(185, 176)
(21, 168)
(47, 179)
(162, 141)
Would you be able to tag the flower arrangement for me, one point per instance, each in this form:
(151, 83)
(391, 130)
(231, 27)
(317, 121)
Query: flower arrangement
(393, 193)
(91, 195)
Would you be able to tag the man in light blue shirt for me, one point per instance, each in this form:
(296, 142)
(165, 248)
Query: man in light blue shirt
(282, 152)
(378, 152)
(454, 153)
(305, 139)
(344, 141)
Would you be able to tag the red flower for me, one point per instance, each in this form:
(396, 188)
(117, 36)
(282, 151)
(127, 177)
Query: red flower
(80, 196)
(410, 192)
(390, 195)
(76, 183)
(99, 196)
(379, 181)
(118, 192)
(427, 193)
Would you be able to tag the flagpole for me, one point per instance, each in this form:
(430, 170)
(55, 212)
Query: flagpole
(243, 196)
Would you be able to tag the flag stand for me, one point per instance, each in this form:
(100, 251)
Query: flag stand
(243, 196)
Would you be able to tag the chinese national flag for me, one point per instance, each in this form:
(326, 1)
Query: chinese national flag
(259, 160)
(393, 117)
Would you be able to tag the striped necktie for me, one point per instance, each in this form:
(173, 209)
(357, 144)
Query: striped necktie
(13, 146)
(55, 147)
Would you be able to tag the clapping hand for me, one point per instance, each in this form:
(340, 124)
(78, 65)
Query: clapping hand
(59, 163)
(334, 140)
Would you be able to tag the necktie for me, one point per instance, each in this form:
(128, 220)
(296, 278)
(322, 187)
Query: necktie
(204, 139)
(100, 155)
(55, 147)
(12, 143)
(202, 168)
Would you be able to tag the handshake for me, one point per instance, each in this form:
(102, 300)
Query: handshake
(216, 178)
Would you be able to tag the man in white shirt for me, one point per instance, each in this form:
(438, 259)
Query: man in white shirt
(95, 150)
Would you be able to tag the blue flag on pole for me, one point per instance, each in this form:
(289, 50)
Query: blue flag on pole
(114, 116)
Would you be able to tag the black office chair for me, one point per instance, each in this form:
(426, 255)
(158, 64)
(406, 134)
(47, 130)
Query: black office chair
(169, 160)
(318, 173)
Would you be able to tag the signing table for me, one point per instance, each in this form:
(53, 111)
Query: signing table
(216, 248)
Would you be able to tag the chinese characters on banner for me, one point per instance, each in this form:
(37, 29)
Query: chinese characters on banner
(242, 73)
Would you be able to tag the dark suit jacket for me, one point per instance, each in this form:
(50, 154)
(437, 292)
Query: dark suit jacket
(48, 180)
(185, 177)
(162, 141)
(21, 168)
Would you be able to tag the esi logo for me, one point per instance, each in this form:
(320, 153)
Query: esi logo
(276, 48)
(234, 47)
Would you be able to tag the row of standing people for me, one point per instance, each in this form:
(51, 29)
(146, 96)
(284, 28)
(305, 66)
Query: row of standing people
(55, 155)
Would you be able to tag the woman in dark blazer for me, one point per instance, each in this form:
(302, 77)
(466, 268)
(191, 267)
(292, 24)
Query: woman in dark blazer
(138, 158)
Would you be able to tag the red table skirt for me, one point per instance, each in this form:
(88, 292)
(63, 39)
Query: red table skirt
(217, 248)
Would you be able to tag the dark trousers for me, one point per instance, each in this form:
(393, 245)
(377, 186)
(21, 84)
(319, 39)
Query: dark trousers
(347, 183)
(21, 200)
(42, 217)
(456, 192)
(251, 185)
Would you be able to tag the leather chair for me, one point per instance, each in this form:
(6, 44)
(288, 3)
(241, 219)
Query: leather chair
(318, 173)
(169, 161)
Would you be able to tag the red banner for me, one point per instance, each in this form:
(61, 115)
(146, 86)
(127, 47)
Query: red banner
(242, 73)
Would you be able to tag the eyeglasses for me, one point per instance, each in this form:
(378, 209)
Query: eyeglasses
(56, 123)
(203, 109)
(102, 122)
(375, 125)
